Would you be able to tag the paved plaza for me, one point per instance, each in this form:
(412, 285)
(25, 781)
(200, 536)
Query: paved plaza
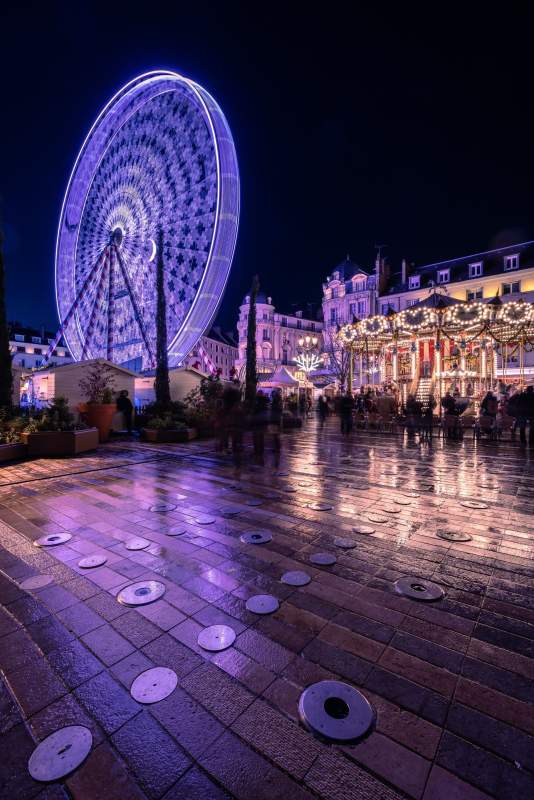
(450, 681)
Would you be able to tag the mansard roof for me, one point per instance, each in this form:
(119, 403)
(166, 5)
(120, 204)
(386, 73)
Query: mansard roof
(348, 269)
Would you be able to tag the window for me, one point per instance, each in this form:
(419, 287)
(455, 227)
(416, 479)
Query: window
(511, 262)
(21, 349)
(474, 294)
(312, 326)
(444, 275)
(284, 356)
(266, 335)
(38, 351)
(38, 362)
(384, 308)
(352, 309)
(475, 270)
(265, 316)
(361, 308)
(332, 315)
(22, 362)
(36, 339)
(299, 323)
(414, 281)
(19, 337)
(410, 303)
(511, 288)
(284, 321)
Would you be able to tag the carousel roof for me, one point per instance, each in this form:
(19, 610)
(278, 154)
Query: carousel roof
(437, 300)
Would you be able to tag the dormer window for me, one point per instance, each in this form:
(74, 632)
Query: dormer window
(19, 337)
(336, 276)
(414, 281)
(511, 262)
(444, 275)
(475, 270)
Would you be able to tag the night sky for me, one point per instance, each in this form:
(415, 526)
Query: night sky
(410, 131)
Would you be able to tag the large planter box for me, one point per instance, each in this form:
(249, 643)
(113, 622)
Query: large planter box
(10, 452)
(60, 443)
(162, 435)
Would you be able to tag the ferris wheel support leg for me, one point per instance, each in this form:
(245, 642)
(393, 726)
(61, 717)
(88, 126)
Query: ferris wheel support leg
(74, 306)
(138, 316)
(96, 304)
(109, 350)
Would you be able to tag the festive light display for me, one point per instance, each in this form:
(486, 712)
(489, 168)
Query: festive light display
(308, 362)
(160, 156)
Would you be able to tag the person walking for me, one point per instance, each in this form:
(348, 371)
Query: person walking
(124, 404)
(525, 406)
(346, 407)
(322, 407)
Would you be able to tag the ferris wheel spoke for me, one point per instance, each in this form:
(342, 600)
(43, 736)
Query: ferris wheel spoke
(133, 300)
(99, 294)
(111, 306)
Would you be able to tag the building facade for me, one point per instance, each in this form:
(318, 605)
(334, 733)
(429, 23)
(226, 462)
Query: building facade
(29, 347)
(277, 336)
(217, 350)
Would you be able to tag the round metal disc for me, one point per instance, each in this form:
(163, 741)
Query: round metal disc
(376, 518)
(162, 507)
(410, 494)
(53, 539)
(88, 562)
(204, 519)
(256, 537)
(154, 684)
(335, 711)
(418, 589)
(363, 529)
(60, 753)
(216, 637)
(175, 532)
(262, 604)
(283, 473)
(36, 582)
(254, 501)
(290, 489)
(390, 509)
(320, 506)
(401, 501)
(454, 536)
(230, 511)
(141, 593)
(305, 483)
(344, 542)
(473, 504)
(295, 578)
(323, 559)
(137, 544)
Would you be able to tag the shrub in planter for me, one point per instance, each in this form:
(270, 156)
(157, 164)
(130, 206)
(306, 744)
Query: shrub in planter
(98, 388)
(56, 433)
(11, 446)
(166, 429)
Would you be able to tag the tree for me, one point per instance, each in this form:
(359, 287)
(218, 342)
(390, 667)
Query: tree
(337, 357)
(6, 374)
(251, 381)
(161, 382)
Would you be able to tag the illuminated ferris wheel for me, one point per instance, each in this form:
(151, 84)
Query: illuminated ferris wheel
(156, 181)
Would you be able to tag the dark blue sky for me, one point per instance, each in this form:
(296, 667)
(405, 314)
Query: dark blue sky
(413, 131)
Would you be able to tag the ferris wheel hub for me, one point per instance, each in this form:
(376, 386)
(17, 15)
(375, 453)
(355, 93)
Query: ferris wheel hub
(117, 236)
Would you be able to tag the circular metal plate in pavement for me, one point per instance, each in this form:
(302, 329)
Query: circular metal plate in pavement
(410, 494)
(289, 489)
(344, 542)
(137, 544)
(401, 501)
(254, 501)
(473, 504)
(295, 578)
(366, 530)
(230, 511)
(161, 508)
(141, 593)
(204, 519)
(323, 559)
(36, 582)
(283, 473)
(262, 604)
(88, 562)
(376, 518)
(390, 509)
(256, 537)
(216, 637)
(60, 753)
(53, 539)
(320, 506)
(418, 589)
(154, 685)
(175, 532)
(454, 536)
(335, 711)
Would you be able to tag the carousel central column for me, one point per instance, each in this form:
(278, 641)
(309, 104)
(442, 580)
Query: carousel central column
(395, 363)
(414, 352)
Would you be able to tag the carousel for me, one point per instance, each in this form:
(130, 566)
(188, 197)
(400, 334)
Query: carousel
(441, 345)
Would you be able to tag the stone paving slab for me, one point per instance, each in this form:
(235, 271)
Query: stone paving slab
(451, 682)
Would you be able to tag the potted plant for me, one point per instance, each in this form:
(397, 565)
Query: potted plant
(100, 407)
(11, 445)
(57, 434)
(166, 424)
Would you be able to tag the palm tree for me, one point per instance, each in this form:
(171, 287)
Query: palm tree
(6, 375)
(161, 382)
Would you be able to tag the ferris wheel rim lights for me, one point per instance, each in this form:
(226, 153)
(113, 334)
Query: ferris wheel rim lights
(180, 124)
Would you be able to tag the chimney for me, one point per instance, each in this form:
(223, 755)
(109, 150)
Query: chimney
(404, 271)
